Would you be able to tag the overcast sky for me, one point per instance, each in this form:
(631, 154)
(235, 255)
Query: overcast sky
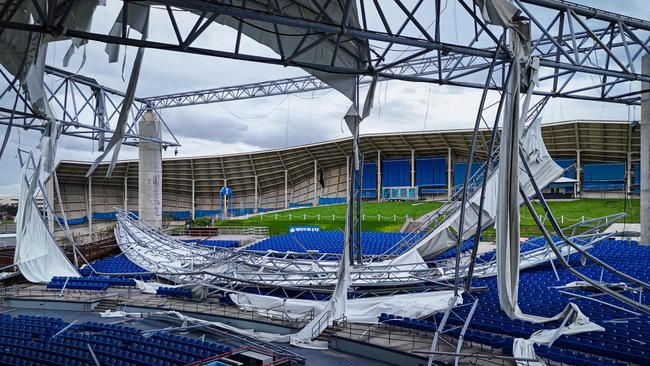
(276, 121)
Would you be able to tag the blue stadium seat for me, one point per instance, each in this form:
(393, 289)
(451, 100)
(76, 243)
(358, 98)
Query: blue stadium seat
(621, 342)
(27, 340)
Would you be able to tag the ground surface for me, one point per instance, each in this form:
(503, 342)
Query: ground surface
(393, 215)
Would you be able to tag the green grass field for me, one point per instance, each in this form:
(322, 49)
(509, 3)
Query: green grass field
(393, 215)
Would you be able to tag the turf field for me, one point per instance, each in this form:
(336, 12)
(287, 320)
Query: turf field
(392, 215)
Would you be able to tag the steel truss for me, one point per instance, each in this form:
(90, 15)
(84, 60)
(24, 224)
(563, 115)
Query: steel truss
(227, 269)
(83, 107)
(571, 40)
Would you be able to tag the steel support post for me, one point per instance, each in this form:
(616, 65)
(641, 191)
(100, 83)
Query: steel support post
(412, 168)
(89, 209)
(578, 193)
(315, 183)
(470, 160)
(126, 194)
(286, 189)
(255, 208)
(347, 176)
(645, 155)
(193, 200)
(450, 173)
(379, 175)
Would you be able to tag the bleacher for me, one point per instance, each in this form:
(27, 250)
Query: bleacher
(215, 243)
(331, 242)
(625, 334)
(30, 341)
(451, 253)
(116, 264)
(99, 283)
(174, 292)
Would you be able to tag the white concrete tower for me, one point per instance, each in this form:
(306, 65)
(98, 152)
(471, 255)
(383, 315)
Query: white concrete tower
(150, 171)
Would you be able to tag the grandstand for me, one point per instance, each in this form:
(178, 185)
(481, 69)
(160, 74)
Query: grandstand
(601, 157)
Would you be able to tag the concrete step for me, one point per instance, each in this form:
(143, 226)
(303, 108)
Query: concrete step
(107, 304)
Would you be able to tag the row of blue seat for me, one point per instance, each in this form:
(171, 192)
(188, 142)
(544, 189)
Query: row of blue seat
(624, 334)
(215, 243)
(174, 291)
(116, 264)
(110, 281)
(372, 243)
(32, 343)
(88, 286)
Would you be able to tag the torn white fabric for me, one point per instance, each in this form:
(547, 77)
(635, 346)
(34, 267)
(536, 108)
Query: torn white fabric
(23, 54)
(310, 50)
(137, 18)
(507, 220)
(37, 255)
(141, 16)
(577, 323)
(543, 168)
(361, 310)
(505, 14)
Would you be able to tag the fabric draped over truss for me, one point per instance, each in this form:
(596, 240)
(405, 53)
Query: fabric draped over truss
(308, 50)
(23, 54)
(504, 13)
(544, 169)
(37, 255)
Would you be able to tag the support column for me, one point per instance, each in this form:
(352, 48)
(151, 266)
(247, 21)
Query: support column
(628, 174)
(51, 214)
(89, 209)
(126, 194)
(379, 176)
(315, 183)
(450, 173)
(645, 155)
(150, 171)
(578, 173)
(193, 206)
(412, 168)
(255, 197)
(286, 189)
(347, 177)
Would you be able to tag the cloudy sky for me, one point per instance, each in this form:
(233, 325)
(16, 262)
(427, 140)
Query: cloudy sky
(276, 121)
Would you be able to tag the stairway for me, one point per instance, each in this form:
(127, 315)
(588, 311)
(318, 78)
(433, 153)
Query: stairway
(329, 332)
(107, 304)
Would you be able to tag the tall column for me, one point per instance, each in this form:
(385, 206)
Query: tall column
(347, 177)
(286, 189)
(645, 155)
(126, 194)
(412, 168)
(193, 207)
(89, 209)
(450, 173)
(315, 183)
(255, 196)
(50, 201)
(150, 171)
(628, 174)
(379, 194)
(578, 173)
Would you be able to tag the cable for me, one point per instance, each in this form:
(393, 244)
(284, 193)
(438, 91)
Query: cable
(253, 118)
(426, 112)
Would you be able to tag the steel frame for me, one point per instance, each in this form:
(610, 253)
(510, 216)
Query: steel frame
(572, 41)
(84, 108)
